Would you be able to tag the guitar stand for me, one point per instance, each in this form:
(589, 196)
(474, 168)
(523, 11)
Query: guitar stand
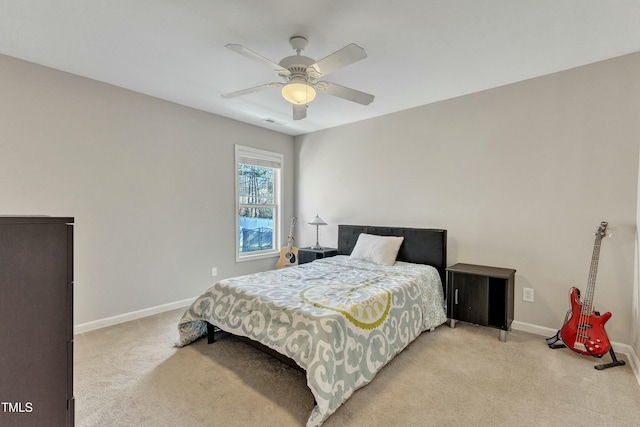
(615, 361)
(552, 342)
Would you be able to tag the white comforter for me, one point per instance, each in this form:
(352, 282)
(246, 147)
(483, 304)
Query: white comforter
(340, 319)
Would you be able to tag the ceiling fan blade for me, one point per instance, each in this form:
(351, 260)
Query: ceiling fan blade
(238, 48)
(341, 58)
(345, 92)
(251, 90)
(299, 111)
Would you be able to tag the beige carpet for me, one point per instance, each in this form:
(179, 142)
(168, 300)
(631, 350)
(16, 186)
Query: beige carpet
(132, 375)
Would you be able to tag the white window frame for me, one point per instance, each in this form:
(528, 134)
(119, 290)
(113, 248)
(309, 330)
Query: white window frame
(257, 157)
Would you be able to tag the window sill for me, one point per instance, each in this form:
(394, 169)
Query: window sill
(261, 255)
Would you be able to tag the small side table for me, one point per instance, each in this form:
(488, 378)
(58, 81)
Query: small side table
(481, 295)
(308, 254)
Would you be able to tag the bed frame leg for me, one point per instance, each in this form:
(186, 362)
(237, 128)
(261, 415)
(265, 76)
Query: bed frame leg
(211, 333)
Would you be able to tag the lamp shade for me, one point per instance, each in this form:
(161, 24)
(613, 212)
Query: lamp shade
(298, 92)
(317, 221)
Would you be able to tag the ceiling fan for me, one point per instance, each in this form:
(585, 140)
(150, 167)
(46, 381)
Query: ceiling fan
(299, 73)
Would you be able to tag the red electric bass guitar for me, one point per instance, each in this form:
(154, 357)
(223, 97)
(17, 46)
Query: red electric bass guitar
(583, 329)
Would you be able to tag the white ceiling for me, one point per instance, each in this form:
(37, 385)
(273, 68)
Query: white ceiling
(419, 51)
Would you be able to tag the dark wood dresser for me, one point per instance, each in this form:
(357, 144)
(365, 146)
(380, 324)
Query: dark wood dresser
(36, 321)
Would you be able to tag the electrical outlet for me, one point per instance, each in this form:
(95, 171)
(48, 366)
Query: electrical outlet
(214, 271)
(527, 294)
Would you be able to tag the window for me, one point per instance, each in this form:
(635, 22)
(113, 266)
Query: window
(258, 200)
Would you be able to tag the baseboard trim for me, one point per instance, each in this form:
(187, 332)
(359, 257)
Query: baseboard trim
(625, 349)
(126, 317)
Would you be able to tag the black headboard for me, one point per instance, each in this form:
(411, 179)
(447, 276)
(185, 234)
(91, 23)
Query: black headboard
(420, 245)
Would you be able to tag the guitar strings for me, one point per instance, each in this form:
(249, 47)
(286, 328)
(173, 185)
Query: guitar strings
(587, 306)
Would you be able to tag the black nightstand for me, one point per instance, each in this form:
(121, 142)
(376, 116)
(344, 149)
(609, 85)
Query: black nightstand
(481, 295)
(308, 254)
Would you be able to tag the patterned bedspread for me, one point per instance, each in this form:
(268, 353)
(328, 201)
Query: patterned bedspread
(340, 319)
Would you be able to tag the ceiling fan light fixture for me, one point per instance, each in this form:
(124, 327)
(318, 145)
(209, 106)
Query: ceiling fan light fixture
(300, 71)
(298, 92)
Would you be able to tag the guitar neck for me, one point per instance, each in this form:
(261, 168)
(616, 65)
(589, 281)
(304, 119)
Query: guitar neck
(587, 302)
(290, 237)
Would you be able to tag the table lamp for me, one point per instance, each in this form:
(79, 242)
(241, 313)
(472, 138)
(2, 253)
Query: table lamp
(317, 221)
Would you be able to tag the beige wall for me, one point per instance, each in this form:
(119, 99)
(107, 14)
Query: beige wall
(150, 184)
(635, 307)
(521, 176)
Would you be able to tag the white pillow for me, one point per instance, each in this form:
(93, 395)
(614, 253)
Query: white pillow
(377, 249)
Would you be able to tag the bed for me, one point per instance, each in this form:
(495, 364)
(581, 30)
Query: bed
(339, 319)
